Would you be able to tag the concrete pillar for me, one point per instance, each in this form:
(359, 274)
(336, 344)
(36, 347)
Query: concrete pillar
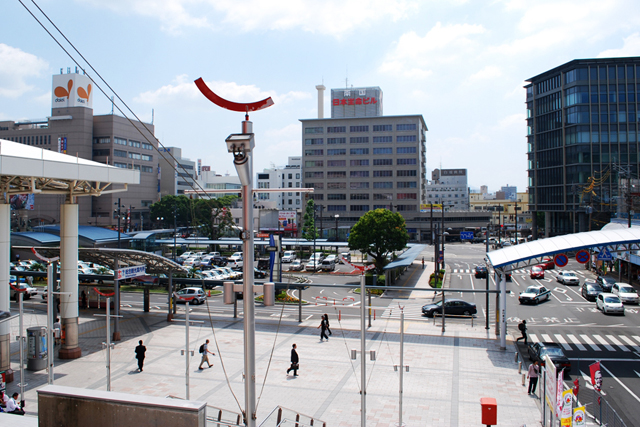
(547, 224)
(69, 281)
(5, 254)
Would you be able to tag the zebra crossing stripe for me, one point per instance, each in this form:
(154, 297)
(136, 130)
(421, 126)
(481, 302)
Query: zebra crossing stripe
(577, 343)
(630, 342)
(590, 343)
(533, 338)
(603, 342)
(637, 338)
(546, 338)
(562, 342)
(618, 343)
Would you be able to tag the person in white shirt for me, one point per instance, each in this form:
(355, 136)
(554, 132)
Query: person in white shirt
(13, 407)
(57, 330)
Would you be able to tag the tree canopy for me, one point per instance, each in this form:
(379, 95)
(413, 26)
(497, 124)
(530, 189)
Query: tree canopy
(309, 229)
(377, 233)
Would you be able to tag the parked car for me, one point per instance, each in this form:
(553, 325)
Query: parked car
(605, 282)
(145, 280)
(199, 297)
(537, 351)
(332, 258)
(328, 264)
(233, 275)
(187, 254)
(345, 255)
(548, 264)
(481, 272)
(237, 256)
(259, 274)
(234, 264)
(537, 272)
(590, 290)
(568, 278)
(296, 265)
(451, 306)
(534, 295)
(609, 303)
(312, 265)
(626, 293)
(289, 256)
(28, 291)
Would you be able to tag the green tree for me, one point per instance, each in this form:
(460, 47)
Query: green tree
(309, 230)
(377, 233)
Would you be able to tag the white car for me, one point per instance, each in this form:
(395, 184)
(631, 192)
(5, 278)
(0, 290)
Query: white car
(289, 256)
(568, 278)
(213, 275)
(626, 293)
(187, 254)
(235, 264)
(233, 275)
(609, 303)
(192, 261)
(237, 256)
(222, 273)
(199, 297)
(28, 290)
(331, 258)
(312, 265)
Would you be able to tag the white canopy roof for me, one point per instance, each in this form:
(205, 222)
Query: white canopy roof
(615, 239)
(27, 169)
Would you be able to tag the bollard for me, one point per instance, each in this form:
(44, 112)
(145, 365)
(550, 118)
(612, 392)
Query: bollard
(339, 315)
(374, 315)
(520, 367)
(334, 301)
(524, 376)
(516, 357)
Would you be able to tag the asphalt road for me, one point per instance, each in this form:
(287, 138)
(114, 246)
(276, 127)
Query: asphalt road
(585, 333)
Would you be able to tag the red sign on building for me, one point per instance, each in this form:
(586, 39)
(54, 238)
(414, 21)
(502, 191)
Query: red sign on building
(355, 101)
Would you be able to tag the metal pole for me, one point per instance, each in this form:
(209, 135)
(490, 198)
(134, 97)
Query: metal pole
(443, 306)
(400, 424)
(186, 347)
(22, 340)
(118, 222)
(116, 300)
(363, 349)
(108, 319)
(50, 347)
(432, 239)
(503, 311)
(299, 304)
(175, 230)
(434, 234)
(517, 219)
(486, 241)
(375, 283)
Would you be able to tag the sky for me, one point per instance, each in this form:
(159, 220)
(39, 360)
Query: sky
(461, 64)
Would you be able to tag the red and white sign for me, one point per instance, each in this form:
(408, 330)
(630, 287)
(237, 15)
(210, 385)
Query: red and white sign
(355, 101)
(596, 376)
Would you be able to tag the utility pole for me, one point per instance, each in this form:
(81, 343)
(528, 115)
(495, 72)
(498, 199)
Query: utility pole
(486, 241)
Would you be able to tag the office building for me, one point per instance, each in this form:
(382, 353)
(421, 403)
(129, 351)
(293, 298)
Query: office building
(581, 139)
(72, 128)
(288, 177)
(449, 187)
(176, 173)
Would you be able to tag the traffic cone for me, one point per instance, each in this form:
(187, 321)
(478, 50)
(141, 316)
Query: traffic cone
(209, 294)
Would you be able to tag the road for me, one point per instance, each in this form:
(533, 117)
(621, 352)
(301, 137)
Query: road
(585, 333)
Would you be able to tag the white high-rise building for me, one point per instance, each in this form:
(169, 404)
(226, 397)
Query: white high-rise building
(288, 178)
(449, 187)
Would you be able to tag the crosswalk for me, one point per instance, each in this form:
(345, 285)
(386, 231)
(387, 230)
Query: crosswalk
(523, 271)
(590, 342)
(412, 310)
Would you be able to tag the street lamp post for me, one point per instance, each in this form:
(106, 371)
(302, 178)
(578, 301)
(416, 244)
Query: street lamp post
(337, 216)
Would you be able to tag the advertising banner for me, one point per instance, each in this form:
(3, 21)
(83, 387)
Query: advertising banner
(427, 208)
(579, 417)
(567, 406)
(596, 376)
(550, 390)
(287, 220)
(22, 201)
(131, 272)
(559, 390)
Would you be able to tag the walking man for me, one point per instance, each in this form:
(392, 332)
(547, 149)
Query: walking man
(532, 374)
(522, 326)
(204, 349)
(57, 333)
(323, 330)
(294, 361)
(326, 322)
(140, 350)
(423, 263)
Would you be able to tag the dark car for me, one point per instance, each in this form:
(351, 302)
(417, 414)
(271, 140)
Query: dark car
(538, 350)
(452, 306)
(605, 282)
(481, 272)
(259, 274)
(590, 290)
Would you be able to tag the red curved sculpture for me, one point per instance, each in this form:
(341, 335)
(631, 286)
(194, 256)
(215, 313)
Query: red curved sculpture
(229, 105)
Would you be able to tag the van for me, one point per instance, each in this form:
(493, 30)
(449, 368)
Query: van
(288, 256)
(328, 265)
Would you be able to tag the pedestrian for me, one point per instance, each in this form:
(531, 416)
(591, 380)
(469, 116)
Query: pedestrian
(4, 399)
(522, 326)
(423, 263)
(323, 330)
(532, 374)
(83, 299)
(57, 330)
(294, 361)
(204, 350)
(13, 407)
(140, 350)
(326, 322)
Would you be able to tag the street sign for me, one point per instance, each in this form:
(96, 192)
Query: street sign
(582, 257)
(466, 235)
(131, 272)
(561, 260)
(272, 249)
(605, 255)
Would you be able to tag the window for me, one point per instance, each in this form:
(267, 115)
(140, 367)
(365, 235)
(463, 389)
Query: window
(382, 162)
(358, 185)
(383, 150)
(358, 128)
(360, 196)
(136, 167)
(407, 173)
(379, 139)
(336, 197)
(315, 197)
(382, 196)
(384, 184)
(102, 140)
(336, 186)
(266, 184)
(331, 141)
(135, 144)
(314, 130)
(119, 153)
(405, 196)
(147, 157)
(314, 141)
(336, 208)
(120, 141)
(359, 140)
(336, 129)
(406, 150)
(312, 175)
(146, 146)
(314, 164)
(135, 156)
(382, 128)
(407, 162)
(358, 151)
(336, 174)
(317, 185)
(314, 152)
(336, 152)
(407, 184)
(409, 126)
(359, 174)
(404, 208)
(120, 165)
(378, 174)
(406, 138)
(359, 208)
(336, 163)
(102, 152)
(363, 162)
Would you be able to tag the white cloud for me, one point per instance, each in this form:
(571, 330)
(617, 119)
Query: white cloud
(630, 47)
(487, 73)
(16, 66)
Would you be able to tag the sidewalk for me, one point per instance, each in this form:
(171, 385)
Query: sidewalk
(449, 372)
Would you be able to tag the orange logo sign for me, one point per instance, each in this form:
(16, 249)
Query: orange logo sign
(61, 92)
(84, 94)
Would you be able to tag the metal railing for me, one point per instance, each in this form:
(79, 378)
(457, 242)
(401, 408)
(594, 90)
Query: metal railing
(286, 417)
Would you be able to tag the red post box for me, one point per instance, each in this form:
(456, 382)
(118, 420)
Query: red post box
(489, 411)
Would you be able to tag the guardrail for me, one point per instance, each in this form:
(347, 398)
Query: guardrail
(459, 316)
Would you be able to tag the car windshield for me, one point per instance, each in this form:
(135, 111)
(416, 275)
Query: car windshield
(612, 299)
(627, 290)
(531, 290)
(594, 287)
(536, 269)
(608, 280)
(570, 274)
(551, 351)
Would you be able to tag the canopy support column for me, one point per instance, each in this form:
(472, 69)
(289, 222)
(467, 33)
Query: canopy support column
(69, 281)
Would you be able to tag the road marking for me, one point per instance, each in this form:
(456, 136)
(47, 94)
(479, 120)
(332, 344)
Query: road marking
(620, 382)
(472, 286)
(590, 343)
(533, 338)
(587, 380)
(630, 342)
(637, 338)
(603, 342)
(563, 343)
(618, 343)
(637, 373)
(577, 343)
(546, 338)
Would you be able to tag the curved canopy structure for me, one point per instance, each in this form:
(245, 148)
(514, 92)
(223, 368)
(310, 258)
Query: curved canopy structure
(531, 253)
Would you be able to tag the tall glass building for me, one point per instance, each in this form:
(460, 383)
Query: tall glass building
(581, 140)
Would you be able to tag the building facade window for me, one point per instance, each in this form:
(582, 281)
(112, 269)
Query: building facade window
(360, 196)
(318, 129)
(119, 153)
(336, 208)
(336, 152)
(406, 138)
(359, 174)
(382, 128)
(332, 141)
(338, 196)
(359, 129)
(382, 139)
(314, 152)
(383, 184)
(360, 162)
(407, 173)
(314, 141)
(358, 151)
(359, 208)
(359, 140)
(406, 126)
(358, 185)
(380, 174)
(383, 150)
(336, 129)
(313, 164)
(382, 162)
(336, 174)
(336, 163)
(119, 141)
(407, 161)
(406, 150)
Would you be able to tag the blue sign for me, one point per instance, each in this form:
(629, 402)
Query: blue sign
(605, 255)
(582, 257)
(466, 235)
(560, 260)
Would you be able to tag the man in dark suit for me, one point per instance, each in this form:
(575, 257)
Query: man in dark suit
(140, 350)
(294, 362)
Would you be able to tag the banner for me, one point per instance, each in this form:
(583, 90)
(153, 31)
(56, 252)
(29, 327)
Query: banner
(579, 417)
(567, 406)
(596, 376)
(22, 201)
(287, 220)
(559, 390)
(550, 390)
(427, 208)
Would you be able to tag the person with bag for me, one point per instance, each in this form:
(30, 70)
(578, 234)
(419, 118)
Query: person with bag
(522, 326)
(204, 350)
(294, 362)
(532, 374)
(323, 331)
(326, 322)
